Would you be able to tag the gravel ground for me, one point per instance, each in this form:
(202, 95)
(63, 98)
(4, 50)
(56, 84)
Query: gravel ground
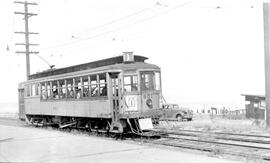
(219, 124)
(26, 144)
(11, 122)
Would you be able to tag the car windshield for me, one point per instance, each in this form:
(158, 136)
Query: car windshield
(171, 107)
(175, 107)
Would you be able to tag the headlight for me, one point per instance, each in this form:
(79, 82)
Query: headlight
(149, 103)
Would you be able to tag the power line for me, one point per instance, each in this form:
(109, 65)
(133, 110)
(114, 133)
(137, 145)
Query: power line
(119, 28)
(117, 20)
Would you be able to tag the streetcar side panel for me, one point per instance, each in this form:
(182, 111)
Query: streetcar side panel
(87, 108)
(21, 104)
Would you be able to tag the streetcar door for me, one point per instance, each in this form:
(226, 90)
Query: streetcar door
(21, 104)
(115, 97)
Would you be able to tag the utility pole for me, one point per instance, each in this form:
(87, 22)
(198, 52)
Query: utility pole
(27, 51)
(266, 16)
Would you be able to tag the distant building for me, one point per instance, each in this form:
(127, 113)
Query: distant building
(255, 106)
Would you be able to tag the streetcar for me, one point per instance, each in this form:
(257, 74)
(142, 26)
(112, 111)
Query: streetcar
(118, 94)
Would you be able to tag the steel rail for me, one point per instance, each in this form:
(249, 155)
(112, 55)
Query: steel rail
(205, 148)
(224, 133)
(221, 143)
(222, 138)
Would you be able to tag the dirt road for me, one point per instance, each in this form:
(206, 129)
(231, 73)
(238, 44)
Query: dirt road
(25, 144)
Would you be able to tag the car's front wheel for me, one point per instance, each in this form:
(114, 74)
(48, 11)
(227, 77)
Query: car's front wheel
(179, 117)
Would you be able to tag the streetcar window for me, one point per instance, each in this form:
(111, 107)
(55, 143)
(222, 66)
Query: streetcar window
(127, 80)
(62, 89)
(55, 94)
(147, 81)
(70, 88)
(157, 81)
(38, 89)
(85, 83)
(94, 85)
(43, 91)
(115, 87)
(28, 90)
(33, 90)
(130, 83)
(48, 89)
(102, 85)
(78, 87)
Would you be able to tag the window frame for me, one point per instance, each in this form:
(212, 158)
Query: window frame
(71, 83)
(159, 82)
(132, 83)
(151, 81)
(105, 83)
(156, 85)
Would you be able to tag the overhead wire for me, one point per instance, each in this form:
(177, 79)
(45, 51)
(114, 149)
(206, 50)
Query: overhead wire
(103, 25)
(119, 28)
(117, 20)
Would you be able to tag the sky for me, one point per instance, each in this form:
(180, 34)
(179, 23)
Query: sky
(209, 51)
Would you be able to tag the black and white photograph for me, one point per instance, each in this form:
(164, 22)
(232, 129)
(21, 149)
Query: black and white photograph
(143, 81)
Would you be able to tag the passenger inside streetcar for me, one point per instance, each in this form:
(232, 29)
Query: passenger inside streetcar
(104, 91)
(71, 94)
(78, 93)
(55, 94)
(85, 92)
(94, 92)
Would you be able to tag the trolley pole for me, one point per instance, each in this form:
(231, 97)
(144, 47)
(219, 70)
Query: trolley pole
(266, 15)
(27, 51)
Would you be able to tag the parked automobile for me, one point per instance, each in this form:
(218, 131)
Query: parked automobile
(174, 112)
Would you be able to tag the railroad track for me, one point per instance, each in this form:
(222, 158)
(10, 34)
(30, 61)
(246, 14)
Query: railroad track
(218, 143)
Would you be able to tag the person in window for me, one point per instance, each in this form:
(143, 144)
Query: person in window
(145, 86)
(104, 91)
(55, 94)
(134, 88)
(60, 94)
(71, 94)
(85, 92)
(78, 91)
(94, 92)
(44, 97)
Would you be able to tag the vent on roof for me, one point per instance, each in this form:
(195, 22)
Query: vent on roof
(128, 57)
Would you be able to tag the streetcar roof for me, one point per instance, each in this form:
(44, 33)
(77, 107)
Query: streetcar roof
(104, 64)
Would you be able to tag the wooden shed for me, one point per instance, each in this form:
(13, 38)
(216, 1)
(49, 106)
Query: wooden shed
(255, 106)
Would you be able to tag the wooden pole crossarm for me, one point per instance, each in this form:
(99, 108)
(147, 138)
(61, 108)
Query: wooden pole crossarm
(26, 44)
(28, 3)
(27, 51)
(24, 52)
(26, 33)
(23, 13)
